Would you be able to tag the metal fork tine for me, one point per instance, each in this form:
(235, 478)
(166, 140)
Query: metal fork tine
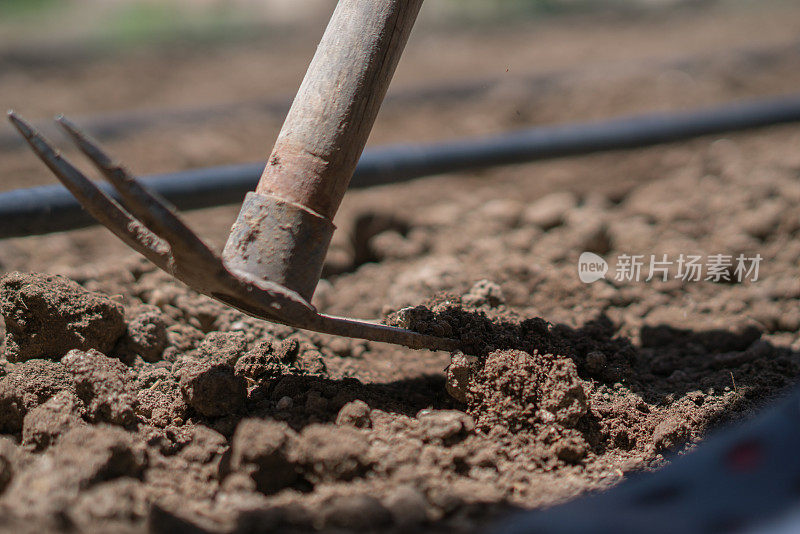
(189, 259)
(93, 199)
(154, 211)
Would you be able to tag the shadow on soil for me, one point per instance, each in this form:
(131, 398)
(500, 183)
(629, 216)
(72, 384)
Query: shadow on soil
(667, 363)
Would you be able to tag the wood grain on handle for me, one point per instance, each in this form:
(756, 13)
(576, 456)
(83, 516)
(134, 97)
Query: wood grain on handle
(334, 110)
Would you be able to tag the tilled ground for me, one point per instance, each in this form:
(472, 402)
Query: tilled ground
(129, 402)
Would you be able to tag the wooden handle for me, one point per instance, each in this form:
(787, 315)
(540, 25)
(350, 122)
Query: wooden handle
(334, 110)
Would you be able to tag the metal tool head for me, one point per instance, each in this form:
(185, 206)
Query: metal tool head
(149, 224)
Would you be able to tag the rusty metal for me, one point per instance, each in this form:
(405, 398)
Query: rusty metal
(281, 241)
(149, 225)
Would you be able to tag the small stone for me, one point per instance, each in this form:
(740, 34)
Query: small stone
(546, 417)
(46, 316)
(355, 413)
(239, 326)
(670, 433)
(212, 389)
(358, 349)
(591, 236)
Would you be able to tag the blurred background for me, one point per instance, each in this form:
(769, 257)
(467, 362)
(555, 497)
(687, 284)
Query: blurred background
(126, 22)
(182, 84)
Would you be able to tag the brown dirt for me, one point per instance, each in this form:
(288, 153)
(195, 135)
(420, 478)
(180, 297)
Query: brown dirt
(46, 314)
(128, 402)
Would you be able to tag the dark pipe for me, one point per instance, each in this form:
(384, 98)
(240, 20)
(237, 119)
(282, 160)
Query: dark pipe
(119, 124)
(47, 209)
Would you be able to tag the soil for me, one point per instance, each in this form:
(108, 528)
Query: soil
(130, 403)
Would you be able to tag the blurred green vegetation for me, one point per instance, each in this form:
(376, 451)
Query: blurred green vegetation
(136, 22)
(123, 23)
(22, 8)
(515, 8)
(120, 24)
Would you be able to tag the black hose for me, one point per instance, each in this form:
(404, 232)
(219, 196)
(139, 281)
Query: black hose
(119, 124)
(46, 209)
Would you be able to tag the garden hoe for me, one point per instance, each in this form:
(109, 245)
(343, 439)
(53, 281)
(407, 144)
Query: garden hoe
(273, 258)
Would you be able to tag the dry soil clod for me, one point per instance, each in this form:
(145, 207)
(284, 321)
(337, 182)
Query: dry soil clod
(46, 316)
